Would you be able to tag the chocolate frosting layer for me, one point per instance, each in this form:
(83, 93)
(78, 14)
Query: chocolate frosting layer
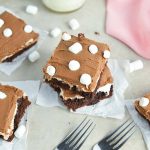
(19, 40)
(8, 107)
(92, 64)
(144, 111)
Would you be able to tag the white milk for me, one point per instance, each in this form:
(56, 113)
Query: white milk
(63, 5)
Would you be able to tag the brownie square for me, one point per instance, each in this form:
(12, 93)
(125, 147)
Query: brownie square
(16, 37)
(13, 104)
(74, 100)
(142, 105)
(75, 65)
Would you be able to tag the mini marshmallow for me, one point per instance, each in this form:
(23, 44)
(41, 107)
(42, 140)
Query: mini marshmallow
(74, 65)
(66, 36)
(32, 9)
(1, 22)
(136, 65)
(144, 102)
(75, 48)
(85, 79)
(74, 24)
(51, 70)
(2, 95)
(106, 54)
(93, 49)
(55, 32)
(7, 32)
(28, 28)
(20, 131)
(34, 56)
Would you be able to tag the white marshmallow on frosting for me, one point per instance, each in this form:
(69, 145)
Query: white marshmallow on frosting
(32, 9)
(66, 36)
(144, 102)
(2, 95)
(1, 22)
(55, 32)
(74, 65)
(106, 54)
(7, 32)
(34, 56)
(20, 131)
(28, 28)
(85, 79)
(136, 65)
(93, 49)
(75, 48)
(51, 70)
(74, 24)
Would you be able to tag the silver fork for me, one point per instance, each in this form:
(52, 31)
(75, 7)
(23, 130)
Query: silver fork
(77, 137)
(117, 138)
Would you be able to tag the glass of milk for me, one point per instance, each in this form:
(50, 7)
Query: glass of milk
(63, 5)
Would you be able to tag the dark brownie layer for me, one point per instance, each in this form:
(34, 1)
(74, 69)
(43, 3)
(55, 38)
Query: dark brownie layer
(10, 59)
(23, 103)
(100, 96)
(77, 103)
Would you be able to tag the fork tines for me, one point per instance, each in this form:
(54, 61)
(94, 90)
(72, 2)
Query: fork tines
(77, 137)
(120, 136)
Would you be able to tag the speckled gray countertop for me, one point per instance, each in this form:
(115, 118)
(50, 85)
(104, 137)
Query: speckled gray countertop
(47, 127)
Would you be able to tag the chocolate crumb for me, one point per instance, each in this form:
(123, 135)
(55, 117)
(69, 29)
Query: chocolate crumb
(97, 33)
(80, 36)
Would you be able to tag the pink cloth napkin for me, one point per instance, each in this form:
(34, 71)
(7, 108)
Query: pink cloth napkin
(129, 21)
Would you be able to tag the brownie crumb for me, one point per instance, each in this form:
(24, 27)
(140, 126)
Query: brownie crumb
(97, 33)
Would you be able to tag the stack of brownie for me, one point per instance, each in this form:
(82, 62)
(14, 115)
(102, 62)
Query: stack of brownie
(13, 103)
(78, 71)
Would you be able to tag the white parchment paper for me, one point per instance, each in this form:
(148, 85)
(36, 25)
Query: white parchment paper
(112, 107)
(31, 88)
(9, 67)
(142, 123)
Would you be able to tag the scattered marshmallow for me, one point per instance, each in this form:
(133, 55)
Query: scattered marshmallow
(136, 65)
(66, 36)
(7, 32)
(2, 95)
(55, 32)
(74, 24)
(32, 9)
(75, 48)
(93, 49)
(1, 22)
(74, 65)
(51, 70)
(34, 56)
(28, 28)
(85, 79)
(20, 131)
(106, 54)
(144, 102)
